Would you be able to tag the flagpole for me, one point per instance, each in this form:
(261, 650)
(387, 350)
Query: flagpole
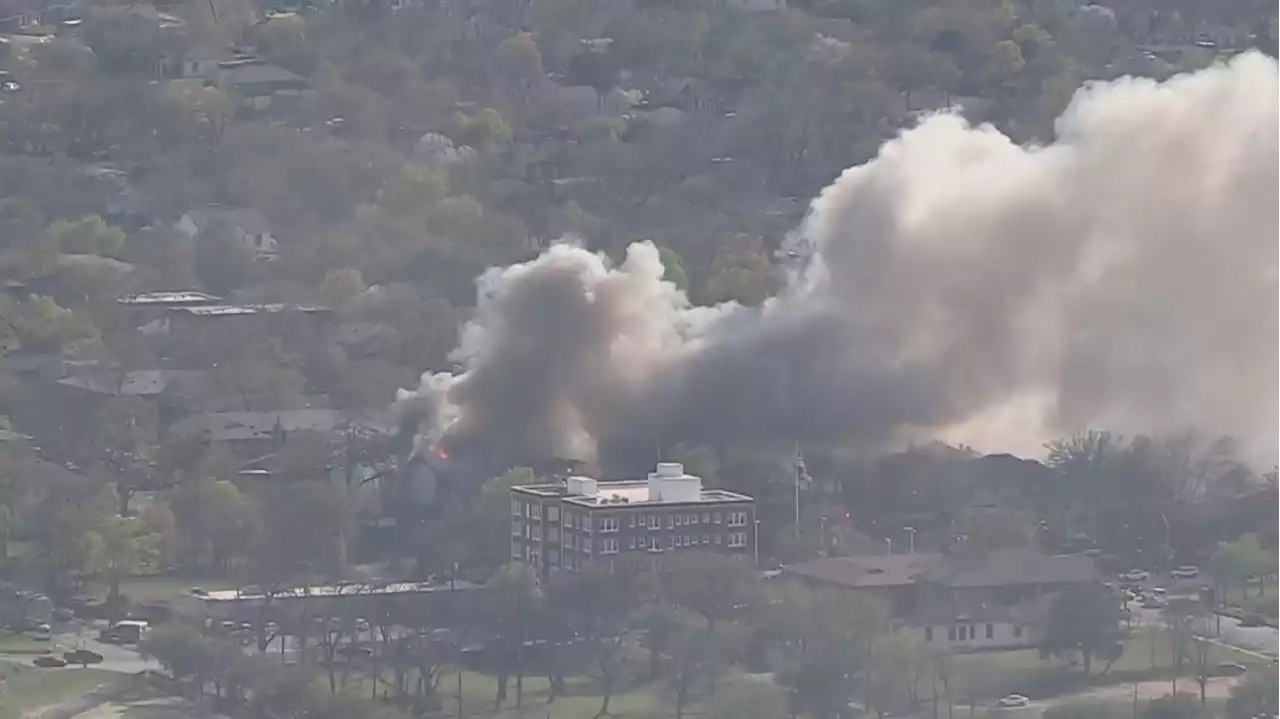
(795, 479)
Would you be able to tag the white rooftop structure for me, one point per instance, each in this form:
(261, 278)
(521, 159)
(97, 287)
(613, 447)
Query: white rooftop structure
(667, 484)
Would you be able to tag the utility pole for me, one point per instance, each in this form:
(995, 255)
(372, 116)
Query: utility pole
(795, 481)
(912, 532)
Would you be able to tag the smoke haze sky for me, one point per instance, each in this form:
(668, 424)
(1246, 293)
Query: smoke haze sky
(959, 286)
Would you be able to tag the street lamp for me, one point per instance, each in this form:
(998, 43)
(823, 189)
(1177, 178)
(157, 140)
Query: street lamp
(889, 541)
(911, 531)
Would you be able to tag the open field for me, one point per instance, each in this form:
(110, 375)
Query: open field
(24, 687)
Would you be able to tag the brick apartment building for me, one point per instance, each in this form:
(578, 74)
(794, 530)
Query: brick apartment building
(572, 523)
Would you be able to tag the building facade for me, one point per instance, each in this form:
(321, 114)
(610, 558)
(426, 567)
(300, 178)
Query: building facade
(579, 521)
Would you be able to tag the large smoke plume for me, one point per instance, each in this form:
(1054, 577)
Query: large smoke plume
(957, 285)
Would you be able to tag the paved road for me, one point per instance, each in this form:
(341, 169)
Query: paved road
(1263, 641)
(153, 708)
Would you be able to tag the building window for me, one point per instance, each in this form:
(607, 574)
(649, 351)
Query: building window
(716, 518)
(535, 511)
(991, 631)
(671, 542)
(706, 539)
(517, 529)
(1017, 631)
(609, 524)
(515, 507)
(951, 633)
(928, 634)
(679, 520)
(536, 532)
(586, 522)
(515, 550)
(671, 521)
(553, 514)
(706, 518)
(655, 522)
(633, 521)
(632, 543)
(717, 539)
(973, 634)
(609, 546)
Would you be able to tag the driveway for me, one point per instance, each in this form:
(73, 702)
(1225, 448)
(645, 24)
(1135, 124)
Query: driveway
(115, 658)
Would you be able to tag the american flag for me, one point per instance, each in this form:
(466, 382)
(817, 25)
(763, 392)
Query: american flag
(802, 472)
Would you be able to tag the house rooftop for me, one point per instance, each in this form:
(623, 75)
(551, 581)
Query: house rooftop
(629, 492)
(243, 426)
(340, 590)
(866, 571)
(185, 297)
(225, 310)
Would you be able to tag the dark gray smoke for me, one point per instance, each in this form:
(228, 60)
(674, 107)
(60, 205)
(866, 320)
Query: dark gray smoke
(959, 286)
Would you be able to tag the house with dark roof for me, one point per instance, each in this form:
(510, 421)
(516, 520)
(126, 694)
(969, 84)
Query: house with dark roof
(959, 601)
(256, 434)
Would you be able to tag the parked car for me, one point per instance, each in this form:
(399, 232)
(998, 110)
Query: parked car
(1186, 571)
(82, 656)
(1231, 669)
(1013, 701)
(1136, 575)
(49, 661)
(1253, 619)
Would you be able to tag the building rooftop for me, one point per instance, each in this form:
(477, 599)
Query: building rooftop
(242, 426)
(169, 298)
(865, 571)
(339, 590)
(229, 310)
(624, 493)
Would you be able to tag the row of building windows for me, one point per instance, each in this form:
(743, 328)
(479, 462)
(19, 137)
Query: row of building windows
(610, 523)
(653, 544)
(968, 632)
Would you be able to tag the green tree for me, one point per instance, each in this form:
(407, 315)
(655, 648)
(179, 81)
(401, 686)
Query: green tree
(986, 531)
(1173, 706)
(1254, 697)
(214, 522)
(486, 527)
(123, 442)
(222, 260)
(1237, 561)
(341, 286)
(741, 272)
(673, 268)
(518, 599)
(1084, 620)
(486, 131)
(127, 548)
(89, 235)
(521, 63)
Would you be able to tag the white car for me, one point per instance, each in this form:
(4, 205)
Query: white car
(1136, 575)
(1013, 701)
(1186, 571)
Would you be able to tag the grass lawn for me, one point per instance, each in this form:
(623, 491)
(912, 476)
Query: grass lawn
(1235, 594)
(158, 588)
(24, 687)
(1148, 654)
(581, 699)
(23, 643)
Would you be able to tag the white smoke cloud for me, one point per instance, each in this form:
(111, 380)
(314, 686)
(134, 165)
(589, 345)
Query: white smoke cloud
(962, 286)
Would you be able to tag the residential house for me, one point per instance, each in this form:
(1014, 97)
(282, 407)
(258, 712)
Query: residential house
(959, 601)
(199, 61)
(891, 578)
(151, 307)
(250, 226)
(258, 85)
(254, 435)
(570, 524)
(176, 393)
